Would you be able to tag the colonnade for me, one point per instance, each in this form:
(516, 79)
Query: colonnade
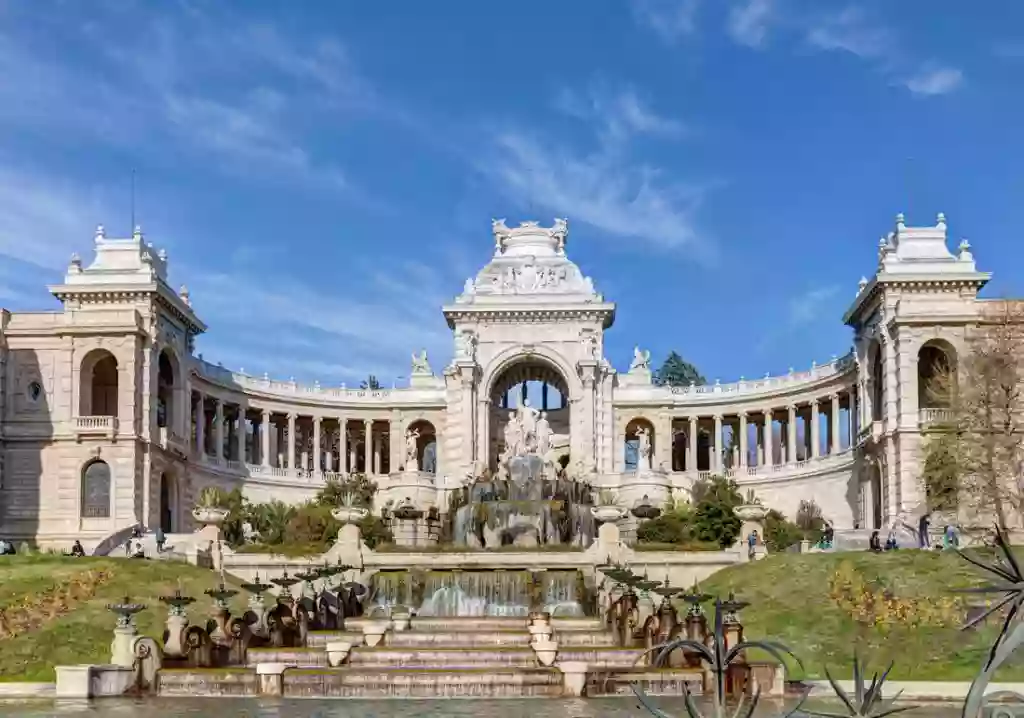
(232, 433)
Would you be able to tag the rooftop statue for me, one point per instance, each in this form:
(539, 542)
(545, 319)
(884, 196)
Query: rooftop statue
(641, 359)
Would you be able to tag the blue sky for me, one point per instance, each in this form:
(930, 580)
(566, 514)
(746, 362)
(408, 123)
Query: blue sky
(323, 174)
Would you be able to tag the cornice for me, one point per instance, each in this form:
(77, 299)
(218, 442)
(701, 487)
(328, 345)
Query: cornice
(526, 314)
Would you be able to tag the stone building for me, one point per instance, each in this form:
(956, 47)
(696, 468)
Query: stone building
(109, 419)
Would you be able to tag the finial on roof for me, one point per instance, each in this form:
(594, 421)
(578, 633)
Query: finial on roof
(964, 255)
(900, 220)
(861, 284)
(185, 296)
(162, 254)
(100, 232)
(137, 234)
(940, 220)
(76, 262)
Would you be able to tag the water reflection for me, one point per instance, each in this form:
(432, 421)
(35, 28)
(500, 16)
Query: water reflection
(407, 708)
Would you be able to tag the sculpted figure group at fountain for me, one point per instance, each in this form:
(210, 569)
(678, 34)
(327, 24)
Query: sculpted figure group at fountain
(528, 433)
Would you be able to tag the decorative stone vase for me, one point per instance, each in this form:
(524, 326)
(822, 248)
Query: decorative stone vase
(349, 514)
(607, 514)
(337, 652)
(574, 678)
(400, 618)
(373, 632)
(750, 512)
(209, 515)
(546, 651)
(540, 632)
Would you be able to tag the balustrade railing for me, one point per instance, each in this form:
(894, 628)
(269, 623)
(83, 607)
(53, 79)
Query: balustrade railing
(795, 467)
(223, 375)
(933, 416)
(105, 424)
(834, 367)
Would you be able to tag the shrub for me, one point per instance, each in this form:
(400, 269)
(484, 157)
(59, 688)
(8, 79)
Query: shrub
(375, 531)
(713, 516)
(810, 520)
(357, 486)
(673, 526)
(311, 523)
(779, 532)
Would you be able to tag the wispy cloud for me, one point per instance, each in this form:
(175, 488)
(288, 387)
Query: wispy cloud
(621, 113)
(671, 20)
(604, 190)
(749, 20)
(811, 305)
(853, 31)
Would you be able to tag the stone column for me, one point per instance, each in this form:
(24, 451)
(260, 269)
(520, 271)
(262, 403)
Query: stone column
(265, 438)
(691, 445)
(316, 445)
(342, 445)
(716, 445)
(218, 432)
(815, 430)
(201, 426)
(240, 435)
(791, 435)
(853, 416)
(767, 439)
(743, 440)
(291, 441)
(368, 448)
(836, 439)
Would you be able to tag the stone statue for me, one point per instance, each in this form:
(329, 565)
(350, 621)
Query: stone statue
(643, 437)
(527, 419)
(466, 348)
(411, 450)
(500, 232)
(470, 286)
(420, 365)
(513, 436)
(543, 432)
(560, 231)
(641, 360)
(589, 340)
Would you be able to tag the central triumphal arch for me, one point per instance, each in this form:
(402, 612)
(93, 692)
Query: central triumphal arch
(529, 329)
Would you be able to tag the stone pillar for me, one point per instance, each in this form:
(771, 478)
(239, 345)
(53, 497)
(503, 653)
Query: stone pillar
(265, 438)
(791, 435)
(218, 432)
(368, 447)
(240, 435)
(316, 445)
(201, 426)
(291, 441)
(716, 445)
(853, 416)
(815, 430)
(836, 442)
(743, 439)
(767, 439)
(342, 445)
(691, 445)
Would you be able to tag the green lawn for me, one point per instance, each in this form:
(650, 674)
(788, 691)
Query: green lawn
(790, 602)
(65, 629)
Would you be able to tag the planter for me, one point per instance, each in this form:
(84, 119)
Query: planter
(750, 512)
(574, 677)
(546, 651)
(209, 515)
(607, 514)
(349, 514)
(337, 652)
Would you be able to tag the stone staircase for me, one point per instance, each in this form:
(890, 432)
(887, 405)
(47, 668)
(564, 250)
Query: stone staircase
(441, 658)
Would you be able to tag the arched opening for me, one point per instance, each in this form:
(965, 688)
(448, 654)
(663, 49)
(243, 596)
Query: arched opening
(96, 490)
(166, 383)
(529, 412)
(168, 503)
(638, 448)
(98, 384)
(936, 363)
(877, 382)
(421, 445)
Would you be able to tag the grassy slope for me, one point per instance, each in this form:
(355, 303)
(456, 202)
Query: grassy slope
(790, 603)
(83, 632)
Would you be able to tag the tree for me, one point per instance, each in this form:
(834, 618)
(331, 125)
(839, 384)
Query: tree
(942, 471)
(986, 411)
(676, 371)
(714, 518)
(370, 383)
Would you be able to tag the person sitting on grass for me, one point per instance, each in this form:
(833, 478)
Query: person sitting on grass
(890, 542)
(77, 549)
(875, 544)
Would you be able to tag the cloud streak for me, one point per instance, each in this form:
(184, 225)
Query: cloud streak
(671, 20)
(748, 21)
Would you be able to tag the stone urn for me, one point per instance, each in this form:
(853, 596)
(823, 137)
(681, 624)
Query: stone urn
(607, 514)
(337, 652)
(349, 514)
(210, 515)
(400, 618)
(750, 512)
(373, 632)
(546, 650)
(574, 677)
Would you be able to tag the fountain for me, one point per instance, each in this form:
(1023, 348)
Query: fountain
(529, 502)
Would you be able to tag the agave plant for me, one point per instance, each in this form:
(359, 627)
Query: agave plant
(719, 658)
(866, 701)
(1009, 583)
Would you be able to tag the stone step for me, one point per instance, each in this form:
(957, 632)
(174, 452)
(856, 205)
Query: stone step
(319, 639)
(190, 682)
(455, 624)
(294, 657)
(443, 657)
(462, 639)
(422, 683)
(655, 682)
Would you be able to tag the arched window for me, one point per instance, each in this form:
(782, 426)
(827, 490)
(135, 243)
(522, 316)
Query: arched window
(638, 433)
(96, 490)
(426, 447)
(98, 387)
(935, 379)
(165, 391)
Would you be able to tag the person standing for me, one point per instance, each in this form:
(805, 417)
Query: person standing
(160, 539)
(922, 531)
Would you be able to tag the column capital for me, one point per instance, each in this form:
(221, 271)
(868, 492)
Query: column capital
(367, 421)
(768, 412)
(292, 416)
(833, 395)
